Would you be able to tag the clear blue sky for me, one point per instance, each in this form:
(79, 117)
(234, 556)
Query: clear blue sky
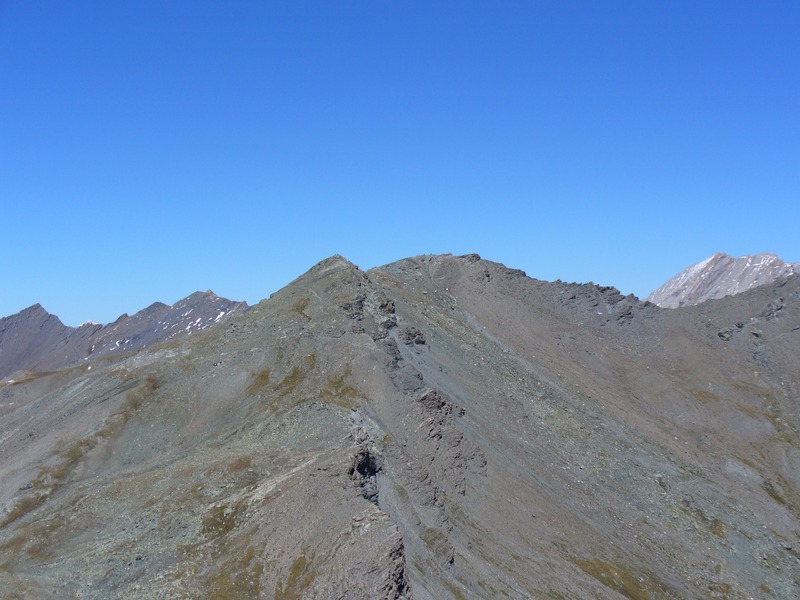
(150, 149)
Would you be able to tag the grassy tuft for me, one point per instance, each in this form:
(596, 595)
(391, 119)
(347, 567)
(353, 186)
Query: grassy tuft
(301, 576)
(621, 580)
(260, 382)
(238, 578)
(300, 308)
(220, 520)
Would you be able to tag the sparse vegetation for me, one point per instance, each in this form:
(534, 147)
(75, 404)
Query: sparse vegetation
(705, 395)
(300, 308)
(301, 576)
(620, 579)
(220, 520)
(772, 491)
(260, 382)
(289, 383)
(23, 506)
(238, 578)
(339, 392)
(52, 476)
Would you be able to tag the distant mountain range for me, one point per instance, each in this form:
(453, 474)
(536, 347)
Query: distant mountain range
(35, 340)
(718, 276)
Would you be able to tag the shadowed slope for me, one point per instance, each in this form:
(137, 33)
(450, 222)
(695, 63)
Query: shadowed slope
(35, 340)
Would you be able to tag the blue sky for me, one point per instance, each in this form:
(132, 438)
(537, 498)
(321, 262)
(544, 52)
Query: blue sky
(151, 149)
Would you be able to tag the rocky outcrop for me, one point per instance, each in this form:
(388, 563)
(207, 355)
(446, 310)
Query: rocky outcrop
(721, 275)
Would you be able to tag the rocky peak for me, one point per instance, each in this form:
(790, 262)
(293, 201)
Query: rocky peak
(35, 312)
(335, 262)
(36, 308)
(721, 275)
(33, 339)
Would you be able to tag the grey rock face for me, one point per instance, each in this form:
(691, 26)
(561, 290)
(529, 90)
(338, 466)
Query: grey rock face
(35, 340)
(438, 428)
(31, 334)
(721, 275)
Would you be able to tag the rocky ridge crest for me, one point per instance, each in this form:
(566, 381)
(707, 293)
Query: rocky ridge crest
(35, 340)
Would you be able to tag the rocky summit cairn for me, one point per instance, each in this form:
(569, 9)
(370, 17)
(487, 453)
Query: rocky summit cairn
(721, 275)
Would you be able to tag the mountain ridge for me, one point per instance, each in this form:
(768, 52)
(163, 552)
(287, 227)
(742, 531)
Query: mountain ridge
(34, 339)
(439, 427)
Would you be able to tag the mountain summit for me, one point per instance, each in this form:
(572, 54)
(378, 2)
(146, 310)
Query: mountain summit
(721, 275)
